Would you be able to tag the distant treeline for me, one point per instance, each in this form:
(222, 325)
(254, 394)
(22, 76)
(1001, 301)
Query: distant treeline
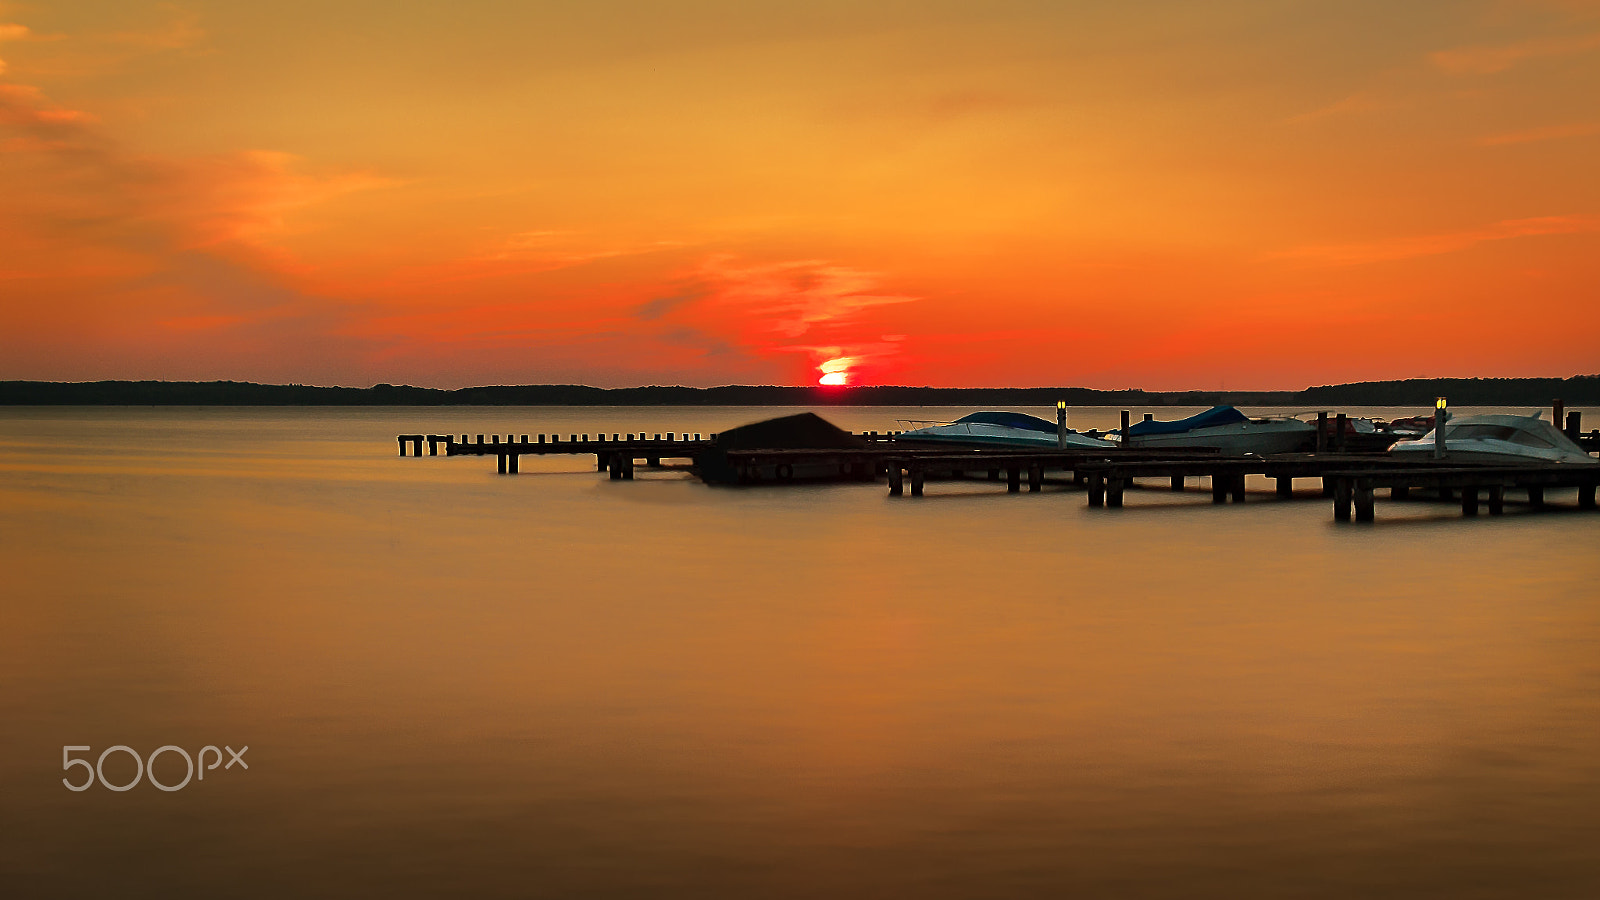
(1579, 390)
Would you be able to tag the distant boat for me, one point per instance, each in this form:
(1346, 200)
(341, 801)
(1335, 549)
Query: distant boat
(1498, 440)
(1224, 429)
(1000, 429)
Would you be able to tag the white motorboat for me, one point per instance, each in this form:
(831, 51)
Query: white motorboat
(1498, 440)
(1000, 429)
(1224, 429)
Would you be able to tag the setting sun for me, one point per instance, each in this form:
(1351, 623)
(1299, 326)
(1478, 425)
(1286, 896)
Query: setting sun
(836, 370)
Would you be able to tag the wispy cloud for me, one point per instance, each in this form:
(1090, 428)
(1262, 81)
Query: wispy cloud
(175, 250)
(1359, 102)
(1547, 133)
(80, 55)
(1486, 60)
(1435, 244)
(800, 307)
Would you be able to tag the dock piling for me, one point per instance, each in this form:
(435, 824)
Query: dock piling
(1361, 495)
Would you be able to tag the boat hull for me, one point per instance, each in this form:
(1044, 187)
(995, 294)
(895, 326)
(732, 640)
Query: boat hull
(1234, 439)
(996, 436)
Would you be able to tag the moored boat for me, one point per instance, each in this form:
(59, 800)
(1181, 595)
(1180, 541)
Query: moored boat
(1225, 430)
(1498, 440)
(1000, 429)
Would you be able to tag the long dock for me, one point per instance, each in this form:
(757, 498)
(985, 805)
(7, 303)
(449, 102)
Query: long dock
(1350, 479)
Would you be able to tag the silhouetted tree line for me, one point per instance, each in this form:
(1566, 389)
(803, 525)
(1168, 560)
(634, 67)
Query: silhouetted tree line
(1579, 390)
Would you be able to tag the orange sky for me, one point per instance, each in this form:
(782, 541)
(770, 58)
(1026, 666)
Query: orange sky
(1240, 193)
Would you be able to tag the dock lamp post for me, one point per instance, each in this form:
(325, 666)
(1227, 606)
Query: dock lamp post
(1441, 415)
(1061, 424)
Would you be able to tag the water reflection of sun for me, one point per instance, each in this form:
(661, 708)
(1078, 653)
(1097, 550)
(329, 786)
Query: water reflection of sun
(836, 370)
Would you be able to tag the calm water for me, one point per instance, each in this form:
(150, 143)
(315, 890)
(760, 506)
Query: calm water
(454, 683)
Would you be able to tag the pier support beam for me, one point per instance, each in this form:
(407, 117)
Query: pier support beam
(1237, 485)
(1497, 499)
(1469, 501)
(1219, 487)
(1585, 494)
(916, 482)
(1013, 479)
(1114, 488)
(1097, 489)
(1328, 486)
(1285, 486)
(1536, 496)
(1399, 492)
(1035, 478)
(896, 480)
(1341, 499)
(1177, 483)
(1362, 497)
(994, 474)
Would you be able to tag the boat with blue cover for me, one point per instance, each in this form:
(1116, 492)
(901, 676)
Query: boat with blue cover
(1225, 430)
(999, 428)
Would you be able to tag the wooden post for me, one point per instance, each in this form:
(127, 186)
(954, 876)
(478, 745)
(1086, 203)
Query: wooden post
(1322, 431)
(1097, 489)
(1556, 409)
(916, 481)
(1362, 496)
(1497, 499)
(1469, 500)
(1219, 486)
(1013, 479)
(1114, 487)
(502, 458)
(1238, 486)
(896, 480)
(627, 467)
(1536, 495)
(1338, 432)
(1177, 482)
(1285, 486)
(1341, 499)
(1400, 492)
(1586, 496)
(402, 445)
(1327, 486)
(994, 474)
(1574, 425)
(600, 460)
(614, 467)
(1127, 442)
(1035, 478)
(511, 462)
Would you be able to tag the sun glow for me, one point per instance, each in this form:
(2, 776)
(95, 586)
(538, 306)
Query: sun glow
(836, 371)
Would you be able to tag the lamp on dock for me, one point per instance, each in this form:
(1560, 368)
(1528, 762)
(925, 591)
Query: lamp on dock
(1061, 424)
(1441, 415)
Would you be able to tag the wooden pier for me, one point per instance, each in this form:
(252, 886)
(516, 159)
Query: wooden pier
(1349, 478)
(1355, 489)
